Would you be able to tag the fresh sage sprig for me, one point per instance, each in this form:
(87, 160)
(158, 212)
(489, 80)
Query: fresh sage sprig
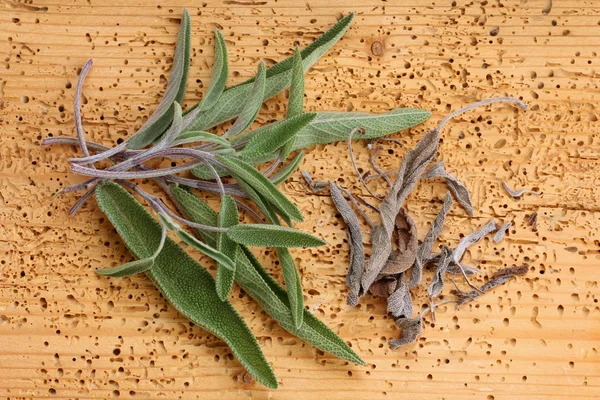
(187, 285)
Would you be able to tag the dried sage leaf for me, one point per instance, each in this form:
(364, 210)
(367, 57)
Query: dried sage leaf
(522, 270)
(406, 253)
(463, 298)
(469, 270)
(472, 239)
(437, 284)
(461, 193)
(399, 303)
(357, 251)
(424, 251)
(410, 171)
(411, 329)
(384, 286)
(499, 236)
(515, 194)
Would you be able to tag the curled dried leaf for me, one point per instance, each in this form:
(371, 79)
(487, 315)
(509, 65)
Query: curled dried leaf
(469, 270)
(384, 286)
(472, 239)
(411, 329)
(424, 251)
(357, 251)
(515, 194)
(400, 302)
(410, 171)
(499, 236)
(460, 191)
(437, 284)
(404, 257)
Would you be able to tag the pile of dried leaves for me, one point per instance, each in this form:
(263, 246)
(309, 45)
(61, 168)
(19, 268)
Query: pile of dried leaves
(391, 271)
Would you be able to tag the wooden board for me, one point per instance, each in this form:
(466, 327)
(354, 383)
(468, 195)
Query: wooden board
(65, 332)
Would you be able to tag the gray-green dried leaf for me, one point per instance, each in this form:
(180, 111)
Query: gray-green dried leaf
(515, 194)
(399, 304)
(414, 163)
(384, 286)
(463, 298)
(437, 284)
(411, 329)
(404, 257)
(424, 251)
(469, 270)
(499, 236)
(460, 191)
(472, 239)
(357, 251)
(518, 271)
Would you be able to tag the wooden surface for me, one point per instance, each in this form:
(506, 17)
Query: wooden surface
(66, 332)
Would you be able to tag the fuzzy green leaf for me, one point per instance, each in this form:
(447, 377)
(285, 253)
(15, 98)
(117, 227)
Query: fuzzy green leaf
(258, 283)
(272, 236)
(234, 98)
(200, 136)
(270, 140)
(187, 286)
(205, 249)
(128, 269)
(252, 105)
(219, 74)
(293, 285)
(296, 100)
(287, 170)
(163, 115)
(246, 172)
(227, 217)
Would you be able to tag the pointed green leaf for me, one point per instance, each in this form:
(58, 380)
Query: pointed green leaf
(234, 98)
(200, 136)
(258, 283)
(272, 236)
(270, 140)
(163, 115)
(244, 171)
(187, 286)
(252, 105)
(227, 217)
(205, 249)
(128, 269)
(287, 170)
(296, 100)
(264, 206)
(293, 285)
(219, 74)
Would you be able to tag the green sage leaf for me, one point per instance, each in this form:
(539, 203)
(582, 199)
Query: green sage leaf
(258, 283)
(163, 115)
(227, 217)
(128, 269)
(287, 170)
(187, 286)
(200, 136)
(270, 140)
(205, 249)
(293, 285)
(219, 75)
(296, 99)
(246, 172)
(272, 236)
(252, 105)
(234, 98)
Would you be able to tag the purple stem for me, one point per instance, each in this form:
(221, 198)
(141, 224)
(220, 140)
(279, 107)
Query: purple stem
(77, 108)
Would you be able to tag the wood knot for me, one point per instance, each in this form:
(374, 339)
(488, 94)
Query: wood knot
(377, 48)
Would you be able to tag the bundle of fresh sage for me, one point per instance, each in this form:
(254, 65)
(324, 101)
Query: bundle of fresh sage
(170, 133)
(386, 273)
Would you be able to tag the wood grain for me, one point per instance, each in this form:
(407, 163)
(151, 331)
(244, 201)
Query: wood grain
(66, 332)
